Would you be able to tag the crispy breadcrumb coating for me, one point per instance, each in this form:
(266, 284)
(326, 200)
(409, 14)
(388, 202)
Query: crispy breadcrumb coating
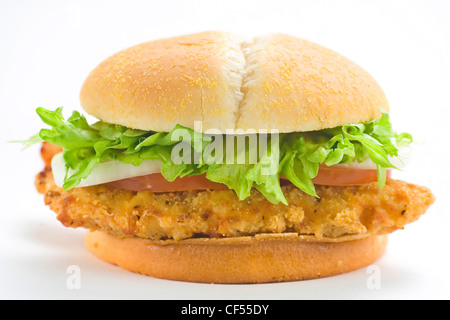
(340, 211)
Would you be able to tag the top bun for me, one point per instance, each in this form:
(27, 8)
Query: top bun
(231, 83)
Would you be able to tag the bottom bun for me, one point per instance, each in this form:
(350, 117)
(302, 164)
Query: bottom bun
(250, 259)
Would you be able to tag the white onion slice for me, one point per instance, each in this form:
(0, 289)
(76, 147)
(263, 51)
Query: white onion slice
(404, 153)
(105, 172)
(116, 170)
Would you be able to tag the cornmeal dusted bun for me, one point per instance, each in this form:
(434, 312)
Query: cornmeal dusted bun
(257, 259)
(229, 82)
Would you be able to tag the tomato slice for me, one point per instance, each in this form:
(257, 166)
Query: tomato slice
(157, 183)
(48, 151)
(331, 176)
(337, 176)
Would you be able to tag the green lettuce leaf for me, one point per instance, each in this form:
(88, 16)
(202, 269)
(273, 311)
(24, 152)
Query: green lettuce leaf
(296, 156)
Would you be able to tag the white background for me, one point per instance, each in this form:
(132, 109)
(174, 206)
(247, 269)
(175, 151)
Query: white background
(47, 48)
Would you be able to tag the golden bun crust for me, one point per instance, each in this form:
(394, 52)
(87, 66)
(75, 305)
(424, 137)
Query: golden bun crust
(297, 85)
(159, 84)
(231, 83)
(258, 259)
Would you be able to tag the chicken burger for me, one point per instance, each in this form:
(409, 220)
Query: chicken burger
(221, 159)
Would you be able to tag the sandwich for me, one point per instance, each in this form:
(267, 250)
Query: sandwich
(220, 159)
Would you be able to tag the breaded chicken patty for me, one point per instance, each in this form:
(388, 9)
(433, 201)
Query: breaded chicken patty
(339, 211)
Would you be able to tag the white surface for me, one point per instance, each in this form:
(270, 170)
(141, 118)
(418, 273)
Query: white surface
(49, 47)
